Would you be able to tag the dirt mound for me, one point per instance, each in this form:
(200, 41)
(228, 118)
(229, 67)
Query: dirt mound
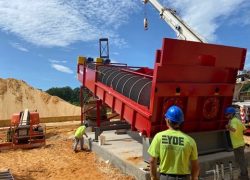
(17, 95)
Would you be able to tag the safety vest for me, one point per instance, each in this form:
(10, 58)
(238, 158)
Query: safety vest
(237, 136)
(175, 150)
(80, 131)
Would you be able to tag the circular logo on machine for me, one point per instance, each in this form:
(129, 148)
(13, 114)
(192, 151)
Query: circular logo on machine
(210, 108)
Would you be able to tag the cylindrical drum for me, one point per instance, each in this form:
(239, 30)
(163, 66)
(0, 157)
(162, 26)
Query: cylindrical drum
(133, 86)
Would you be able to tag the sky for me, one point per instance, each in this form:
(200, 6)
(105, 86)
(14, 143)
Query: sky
(41, 40)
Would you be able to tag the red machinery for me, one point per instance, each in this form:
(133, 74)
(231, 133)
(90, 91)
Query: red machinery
(198, 77)
(24, 132)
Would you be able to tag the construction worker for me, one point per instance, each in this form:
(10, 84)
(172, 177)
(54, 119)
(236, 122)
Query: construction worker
(236, 130)
(243, 114)
(80, 131)
(175, 150)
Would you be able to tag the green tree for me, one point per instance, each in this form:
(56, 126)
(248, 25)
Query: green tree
(245, 88)
(66, 93)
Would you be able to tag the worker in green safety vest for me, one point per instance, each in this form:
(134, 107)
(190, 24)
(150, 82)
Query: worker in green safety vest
(175, 150)
(236, 130)
(80, 131)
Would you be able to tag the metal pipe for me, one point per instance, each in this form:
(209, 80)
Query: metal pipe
(231, 170)
(90, 144)
(217, 171)
(212, 171)
(222, 171)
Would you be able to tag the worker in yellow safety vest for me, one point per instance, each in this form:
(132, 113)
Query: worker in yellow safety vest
(236, 130)
(175, 150)
(80, 131)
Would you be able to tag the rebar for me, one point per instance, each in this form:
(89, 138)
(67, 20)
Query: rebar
(222, 171)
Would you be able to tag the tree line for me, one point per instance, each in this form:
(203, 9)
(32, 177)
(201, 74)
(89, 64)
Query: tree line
(66, 93)
(245, 88)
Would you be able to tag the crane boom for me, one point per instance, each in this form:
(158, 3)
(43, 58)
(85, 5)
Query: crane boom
(182, 30)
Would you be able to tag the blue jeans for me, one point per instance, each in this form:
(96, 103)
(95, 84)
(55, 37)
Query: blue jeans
(76, 142)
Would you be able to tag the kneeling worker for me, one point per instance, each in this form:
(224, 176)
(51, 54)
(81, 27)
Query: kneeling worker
(175, 150)
(79, 136)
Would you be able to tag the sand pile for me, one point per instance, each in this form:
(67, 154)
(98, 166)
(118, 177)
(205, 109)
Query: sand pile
(17, 95)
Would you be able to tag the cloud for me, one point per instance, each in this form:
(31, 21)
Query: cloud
(246, 18)
(57, 61)
(19, 47)
(247, 62)
(114, 61)
(115, 53)
(62, 68)
(206, 16)
(62, 22)
(243, 20)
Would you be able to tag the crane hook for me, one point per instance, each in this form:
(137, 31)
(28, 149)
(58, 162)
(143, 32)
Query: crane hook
(145, 24)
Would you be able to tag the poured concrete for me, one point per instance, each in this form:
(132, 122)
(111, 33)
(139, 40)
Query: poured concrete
(125, 153)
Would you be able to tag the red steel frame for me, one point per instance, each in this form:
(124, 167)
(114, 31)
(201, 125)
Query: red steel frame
(198, 77)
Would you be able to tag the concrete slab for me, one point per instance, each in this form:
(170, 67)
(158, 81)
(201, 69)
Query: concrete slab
(125, 153)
